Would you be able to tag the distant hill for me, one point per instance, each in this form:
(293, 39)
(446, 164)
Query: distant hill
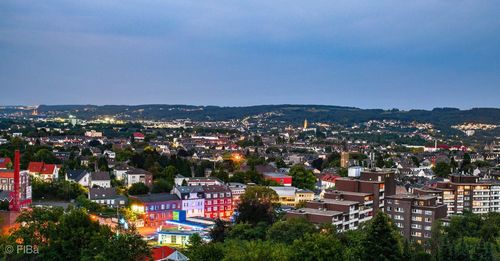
(289, 113)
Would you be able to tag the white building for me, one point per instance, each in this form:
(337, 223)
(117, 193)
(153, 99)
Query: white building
(100, 179)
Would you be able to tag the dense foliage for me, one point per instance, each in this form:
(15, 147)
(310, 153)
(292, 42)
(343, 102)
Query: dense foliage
(468, 237)
(71, 235)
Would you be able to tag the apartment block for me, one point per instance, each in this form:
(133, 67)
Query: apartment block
(415, 214)
(464, 192)
(353, 202)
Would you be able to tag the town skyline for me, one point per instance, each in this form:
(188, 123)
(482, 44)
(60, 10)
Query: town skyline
(250, 105)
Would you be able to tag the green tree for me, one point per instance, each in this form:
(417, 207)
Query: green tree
(73, 235)
(289, 230)
(442, 169)
(219, 231)
(302, 178)
(138, 188)
(162, 185)
(257, 205)
(381, 241)
(318, 247)
(246, 231)
(102, 164)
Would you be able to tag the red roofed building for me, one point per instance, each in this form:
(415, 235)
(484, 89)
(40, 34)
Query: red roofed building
(280, 178)
(5, 163)
(138, 136)
(43, 170)
(162, 253)
(328, 181)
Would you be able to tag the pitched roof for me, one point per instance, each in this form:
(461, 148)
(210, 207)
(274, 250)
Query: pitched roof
(48, 168)
(35, 167)
(138, 135)
(7, 174)
(76, 174)
(102, 193)
(190, 189)
(161, 252)
(137, 171)
(101, 175)
(41, 167)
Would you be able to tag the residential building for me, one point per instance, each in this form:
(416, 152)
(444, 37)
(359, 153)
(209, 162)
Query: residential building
(193, 200)
(328, 181)
(155, 209)
(107, 196)
(465, 192)
(415, 214)
(291, 196)
(136, 175)
(93, 134)
(100, 179)
(79, 176)
(218, 202)
(7, 184)
(197, 181)
(120, 170)
(175, 238)
(237, 189)
(138, 136)
(349, 210)
(380, 184)
(46, 172)
(166, 253)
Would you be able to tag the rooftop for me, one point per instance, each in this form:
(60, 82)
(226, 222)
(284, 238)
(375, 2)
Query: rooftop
(157, 197)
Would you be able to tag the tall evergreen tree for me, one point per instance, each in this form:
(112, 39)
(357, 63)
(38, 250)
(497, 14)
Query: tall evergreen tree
(381, 241)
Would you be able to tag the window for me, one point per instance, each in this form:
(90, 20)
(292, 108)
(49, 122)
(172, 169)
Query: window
(416, 226)
(416, 219)
(174, 239)
(428, 213)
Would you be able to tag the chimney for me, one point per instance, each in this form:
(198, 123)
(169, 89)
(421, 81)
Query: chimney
(15, 195)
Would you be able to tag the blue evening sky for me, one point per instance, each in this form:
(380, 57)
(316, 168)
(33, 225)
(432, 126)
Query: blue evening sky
(368, 54)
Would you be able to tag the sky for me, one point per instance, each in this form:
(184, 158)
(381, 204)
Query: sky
(368, 54)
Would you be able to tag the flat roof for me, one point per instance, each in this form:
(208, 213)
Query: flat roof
(276, 175)
(336, 201)
(316, 212)
(158, 197)
(340, 192)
